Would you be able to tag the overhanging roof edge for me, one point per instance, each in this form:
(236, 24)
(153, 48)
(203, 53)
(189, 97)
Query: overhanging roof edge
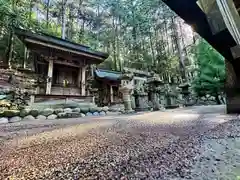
(23, 34)
(193, 15)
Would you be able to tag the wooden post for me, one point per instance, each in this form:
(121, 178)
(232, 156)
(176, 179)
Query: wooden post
(232, 87)
(83, 81)
(79, 77)
(32, 99)
(25, 59)
(111, 94)
(37, 90)
(50, 73)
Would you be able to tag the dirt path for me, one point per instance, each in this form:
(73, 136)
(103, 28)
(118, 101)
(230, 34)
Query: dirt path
(157, 145)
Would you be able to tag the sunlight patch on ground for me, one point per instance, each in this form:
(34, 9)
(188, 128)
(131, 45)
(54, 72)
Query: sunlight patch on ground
(58, 134)
(164, 117)
(185, 116)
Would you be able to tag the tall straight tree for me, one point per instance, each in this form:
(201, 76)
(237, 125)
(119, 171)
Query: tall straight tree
(63, 16)
(136, 33)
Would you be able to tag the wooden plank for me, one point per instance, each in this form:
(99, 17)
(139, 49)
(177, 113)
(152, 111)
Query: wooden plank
(65, 63)
(41, 62)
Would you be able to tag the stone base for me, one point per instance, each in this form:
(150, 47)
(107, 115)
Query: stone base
(128, 112)
(156, 109)
(141, 109)
(188, 104)
(233, 105)
(174, 106)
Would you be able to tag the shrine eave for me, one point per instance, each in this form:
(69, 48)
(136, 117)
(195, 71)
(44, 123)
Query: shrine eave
(192, 14)
(32, 40)
(107, 75)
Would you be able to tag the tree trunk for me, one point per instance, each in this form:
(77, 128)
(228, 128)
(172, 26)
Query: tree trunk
(118, 44)
(47, 17)
(64, 2)
(9, 50)
(182, 37)
(70, 24)
(81, 35)
(114, 44)
(30, 13)
(151, 46)
(166, 35)
(179, 49)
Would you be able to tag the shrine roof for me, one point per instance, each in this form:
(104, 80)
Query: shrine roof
(194, 16)
(35, 41)
(107, 74)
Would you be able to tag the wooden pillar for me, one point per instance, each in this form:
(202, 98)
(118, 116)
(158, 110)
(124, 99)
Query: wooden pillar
(232, 87)
(111, 94)
(232, 21)
(32, 99)
(79, 77)
(83, 81)
(37, 89)
(50, 74)
(230, 17)
(25, 59)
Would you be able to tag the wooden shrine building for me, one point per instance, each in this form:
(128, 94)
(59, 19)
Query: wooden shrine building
(64, 64)
(108, 83)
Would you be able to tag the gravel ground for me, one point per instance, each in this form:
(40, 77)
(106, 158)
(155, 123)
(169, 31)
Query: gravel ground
(160, 145)
(219, 156)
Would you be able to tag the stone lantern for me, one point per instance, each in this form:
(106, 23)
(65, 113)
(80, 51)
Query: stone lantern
(91, 89)
(126, 88)
(154, 83)
(141, 98)
(161, 92)
(173, 93)
(185, 92)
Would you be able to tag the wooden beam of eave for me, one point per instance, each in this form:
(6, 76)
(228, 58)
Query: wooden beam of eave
(66, 63)
(206, 5)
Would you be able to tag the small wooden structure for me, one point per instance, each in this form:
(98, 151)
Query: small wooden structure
(108, 83)
(62, 63)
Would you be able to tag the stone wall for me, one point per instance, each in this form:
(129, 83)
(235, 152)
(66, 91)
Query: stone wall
(26, 81)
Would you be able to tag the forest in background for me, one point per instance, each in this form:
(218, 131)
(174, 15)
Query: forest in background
(142, 34)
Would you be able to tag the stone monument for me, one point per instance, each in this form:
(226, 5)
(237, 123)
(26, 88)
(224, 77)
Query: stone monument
(91, 89)
(171, 97)
(126, 88)
(185, 93)
(161, 93)
(141, 97)
(154, 83)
